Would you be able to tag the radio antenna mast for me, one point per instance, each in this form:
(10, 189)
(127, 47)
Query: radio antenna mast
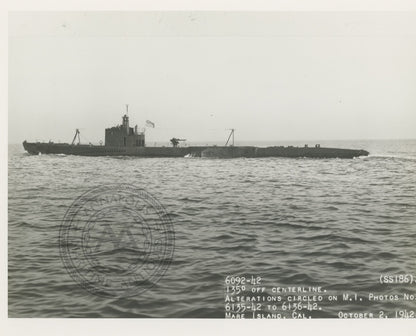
(75, 136)
(231, 134)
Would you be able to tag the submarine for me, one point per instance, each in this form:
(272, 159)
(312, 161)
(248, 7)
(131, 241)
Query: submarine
(123, 140)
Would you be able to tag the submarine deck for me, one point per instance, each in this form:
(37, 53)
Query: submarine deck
(193, 151)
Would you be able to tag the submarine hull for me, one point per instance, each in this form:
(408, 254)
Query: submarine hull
(36, 148)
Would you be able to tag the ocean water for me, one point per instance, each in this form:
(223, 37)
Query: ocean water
(334, 223)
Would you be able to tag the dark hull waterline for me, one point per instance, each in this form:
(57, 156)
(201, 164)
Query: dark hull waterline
(193, 151)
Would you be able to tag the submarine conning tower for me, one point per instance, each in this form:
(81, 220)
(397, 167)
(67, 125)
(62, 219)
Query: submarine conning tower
(124, 136)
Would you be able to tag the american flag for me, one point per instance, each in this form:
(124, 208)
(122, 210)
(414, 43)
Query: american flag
(150, 124)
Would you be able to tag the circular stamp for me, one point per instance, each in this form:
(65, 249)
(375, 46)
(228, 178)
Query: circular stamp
(116, 240)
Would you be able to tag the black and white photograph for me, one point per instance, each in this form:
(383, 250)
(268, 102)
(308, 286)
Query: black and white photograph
(211, 165)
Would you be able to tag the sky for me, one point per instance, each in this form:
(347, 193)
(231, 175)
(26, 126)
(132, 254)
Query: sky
(272, 76)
